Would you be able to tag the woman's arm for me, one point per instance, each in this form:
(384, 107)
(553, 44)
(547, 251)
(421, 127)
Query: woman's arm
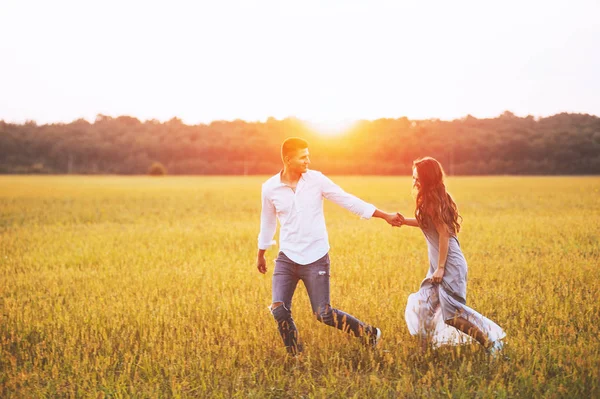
(410, 222)
(444, 241)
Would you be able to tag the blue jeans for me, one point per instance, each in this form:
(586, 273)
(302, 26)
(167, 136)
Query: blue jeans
(315, 277)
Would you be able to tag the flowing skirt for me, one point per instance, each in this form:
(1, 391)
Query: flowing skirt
(428, 308)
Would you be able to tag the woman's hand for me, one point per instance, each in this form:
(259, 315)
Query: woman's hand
(394, 219)
(438, 275)
(401, 217)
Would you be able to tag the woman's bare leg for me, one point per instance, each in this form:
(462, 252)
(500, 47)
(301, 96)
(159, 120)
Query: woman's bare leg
(470, 329)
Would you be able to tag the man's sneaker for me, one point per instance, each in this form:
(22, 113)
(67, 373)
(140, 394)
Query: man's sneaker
(296, 350)
(375, 337)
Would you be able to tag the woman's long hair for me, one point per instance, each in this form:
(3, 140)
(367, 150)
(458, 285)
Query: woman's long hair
(434, 203)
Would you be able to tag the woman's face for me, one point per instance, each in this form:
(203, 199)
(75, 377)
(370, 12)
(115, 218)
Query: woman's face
(415, 178)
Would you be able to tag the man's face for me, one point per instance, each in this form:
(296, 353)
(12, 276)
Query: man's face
(298, 161)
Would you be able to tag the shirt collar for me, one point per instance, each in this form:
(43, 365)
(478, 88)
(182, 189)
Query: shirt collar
(282, 183)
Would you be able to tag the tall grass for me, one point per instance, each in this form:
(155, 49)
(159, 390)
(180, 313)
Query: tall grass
(143, 287)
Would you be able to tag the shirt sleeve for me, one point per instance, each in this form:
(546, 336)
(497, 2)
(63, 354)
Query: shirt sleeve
(268, 222)
(334, 193)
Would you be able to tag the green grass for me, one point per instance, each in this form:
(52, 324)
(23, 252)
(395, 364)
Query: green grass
(147, 287)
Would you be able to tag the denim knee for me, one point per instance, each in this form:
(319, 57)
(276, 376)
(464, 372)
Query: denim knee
(281, 313)
(325, 315)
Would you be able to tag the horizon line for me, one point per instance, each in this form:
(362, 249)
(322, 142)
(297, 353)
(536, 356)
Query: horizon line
(289, 117)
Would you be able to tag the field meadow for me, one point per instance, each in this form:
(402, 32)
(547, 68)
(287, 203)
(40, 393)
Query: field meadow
(147, 287)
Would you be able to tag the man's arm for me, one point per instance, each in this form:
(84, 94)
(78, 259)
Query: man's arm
(334, 193)
(268, 226)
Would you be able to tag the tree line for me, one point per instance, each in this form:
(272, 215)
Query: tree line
(560, 144)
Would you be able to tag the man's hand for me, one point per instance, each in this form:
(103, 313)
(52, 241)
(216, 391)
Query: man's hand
(395, 219)
(261, 264)
(401, 216)
(438, 275)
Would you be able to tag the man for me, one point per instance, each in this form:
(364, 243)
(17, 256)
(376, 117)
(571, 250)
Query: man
(294, 196)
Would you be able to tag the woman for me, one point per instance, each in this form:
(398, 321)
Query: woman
(441, 300)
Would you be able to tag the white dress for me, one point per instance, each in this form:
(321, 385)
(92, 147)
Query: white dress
(427, 309)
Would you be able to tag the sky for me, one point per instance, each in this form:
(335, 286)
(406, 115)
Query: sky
(327, 61)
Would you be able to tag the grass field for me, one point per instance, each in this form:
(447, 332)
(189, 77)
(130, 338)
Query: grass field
(147, 287)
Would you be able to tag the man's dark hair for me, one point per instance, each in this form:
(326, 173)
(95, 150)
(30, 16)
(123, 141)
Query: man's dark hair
(292, 145)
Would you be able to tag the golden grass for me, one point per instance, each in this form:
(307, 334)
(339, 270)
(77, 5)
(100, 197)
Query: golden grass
(147, 287)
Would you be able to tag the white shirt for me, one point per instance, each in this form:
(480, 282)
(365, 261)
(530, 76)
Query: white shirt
(303, 236)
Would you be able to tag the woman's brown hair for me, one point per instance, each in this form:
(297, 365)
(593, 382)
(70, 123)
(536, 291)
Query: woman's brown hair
(434, 203)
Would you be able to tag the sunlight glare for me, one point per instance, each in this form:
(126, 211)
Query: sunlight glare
(331, 127)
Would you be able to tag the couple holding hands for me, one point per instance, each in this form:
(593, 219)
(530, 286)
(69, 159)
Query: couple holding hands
(437, 313)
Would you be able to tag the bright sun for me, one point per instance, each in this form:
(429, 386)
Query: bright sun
(331, 127)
